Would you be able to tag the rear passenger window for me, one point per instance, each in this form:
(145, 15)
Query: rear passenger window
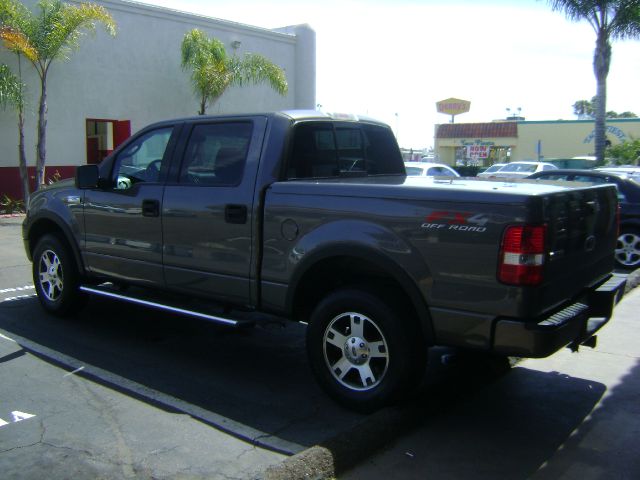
(216, 154)
(325, 150)
(590, 179)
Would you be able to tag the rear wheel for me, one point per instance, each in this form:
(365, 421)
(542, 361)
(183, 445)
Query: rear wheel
(56, 277)
(363, 351)
(628, 249)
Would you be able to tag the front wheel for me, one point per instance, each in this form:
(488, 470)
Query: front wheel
(363, 351)
(56, 277)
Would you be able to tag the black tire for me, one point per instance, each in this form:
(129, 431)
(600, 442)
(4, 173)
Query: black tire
(364, 352)
(628, 249)
(56, 277)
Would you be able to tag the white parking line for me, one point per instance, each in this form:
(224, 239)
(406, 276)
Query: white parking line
(7, 338)
(17, 289)
(26, 288)
(17, 416)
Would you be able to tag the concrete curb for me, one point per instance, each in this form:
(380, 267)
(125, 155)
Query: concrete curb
(344, 451)
(633, 280)
(347, 449)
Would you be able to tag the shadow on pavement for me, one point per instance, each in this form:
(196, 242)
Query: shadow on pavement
(527, 425)
(257, 377)
(480, 423)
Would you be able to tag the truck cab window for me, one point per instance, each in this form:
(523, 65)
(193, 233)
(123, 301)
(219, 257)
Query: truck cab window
(325, 150)
(142, 160)
(216, 154)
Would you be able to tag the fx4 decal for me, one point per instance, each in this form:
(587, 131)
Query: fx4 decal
(460, 221)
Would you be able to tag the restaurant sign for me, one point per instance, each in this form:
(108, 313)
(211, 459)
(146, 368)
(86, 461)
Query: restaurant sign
(453, 106)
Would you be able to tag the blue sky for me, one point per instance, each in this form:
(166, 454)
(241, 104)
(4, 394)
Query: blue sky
(394, 59)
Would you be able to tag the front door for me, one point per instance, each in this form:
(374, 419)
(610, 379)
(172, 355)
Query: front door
(123, 227)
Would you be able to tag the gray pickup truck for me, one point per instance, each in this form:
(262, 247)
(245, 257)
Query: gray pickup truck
(312, 218)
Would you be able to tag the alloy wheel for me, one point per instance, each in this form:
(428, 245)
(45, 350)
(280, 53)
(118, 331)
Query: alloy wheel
(51, 275)
(356, 351)
(628, 249)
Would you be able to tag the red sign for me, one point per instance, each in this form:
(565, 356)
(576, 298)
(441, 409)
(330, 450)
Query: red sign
(478, 151)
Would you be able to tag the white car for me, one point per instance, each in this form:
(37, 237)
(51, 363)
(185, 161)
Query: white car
(491, 170)
(522, 169)
(427, 169)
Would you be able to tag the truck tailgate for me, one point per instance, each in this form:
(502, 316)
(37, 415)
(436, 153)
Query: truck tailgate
(581, 237)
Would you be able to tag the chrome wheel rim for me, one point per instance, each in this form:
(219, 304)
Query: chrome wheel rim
(628, 249)
(50, 275)
(356, 351)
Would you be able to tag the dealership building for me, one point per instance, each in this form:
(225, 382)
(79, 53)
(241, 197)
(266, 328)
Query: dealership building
(113, 86)
(503, 141)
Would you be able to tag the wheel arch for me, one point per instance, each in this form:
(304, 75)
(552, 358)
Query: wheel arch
(51, 224)
(326, 271)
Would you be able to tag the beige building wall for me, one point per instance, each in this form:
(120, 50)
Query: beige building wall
(446, 148)
(533, 140)
(567, 139)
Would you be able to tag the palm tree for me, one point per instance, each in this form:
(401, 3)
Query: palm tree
(213, 71)
(583, 109)
(50, 35)
(12, 93)
(611, 20)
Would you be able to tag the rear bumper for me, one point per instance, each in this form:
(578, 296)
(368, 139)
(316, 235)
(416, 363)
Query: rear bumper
(574, 324)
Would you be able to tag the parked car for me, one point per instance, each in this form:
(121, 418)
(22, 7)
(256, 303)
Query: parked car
(522, 169)
(426, 169)
(491, 170)
(628, 247)
(624, 169)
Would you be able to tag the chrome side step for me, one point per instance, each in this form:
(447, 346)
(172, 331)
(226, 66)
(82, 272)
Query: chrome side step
(160, 306)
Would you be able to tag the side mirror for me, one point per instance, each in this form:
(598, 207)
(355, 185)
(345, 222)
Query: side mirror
(87, 176)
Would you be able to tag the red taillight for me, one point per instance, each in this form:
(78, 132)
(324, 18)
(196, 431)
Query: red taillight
(522, 255)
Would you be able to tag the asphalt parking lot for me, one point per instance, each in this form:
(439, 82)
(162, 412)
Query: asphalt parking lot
(123, 392)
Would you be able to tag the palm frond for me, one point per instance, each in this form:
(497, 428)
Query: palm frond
(255, 69)
(11, 88)
(18, 42)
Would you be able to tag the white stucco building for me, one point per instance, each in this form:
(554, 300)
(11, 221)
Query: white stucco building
(113, 86)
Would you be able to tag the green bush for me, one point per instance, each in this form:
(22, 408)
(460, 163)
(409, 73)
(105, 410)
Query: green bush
(9, 205)
(626, 153)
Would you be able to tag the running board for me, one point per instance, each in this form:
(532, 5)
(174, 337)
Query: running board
(167, 308)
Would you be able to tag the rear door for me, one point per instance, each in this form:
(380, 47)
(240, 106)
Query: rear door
(208, 216)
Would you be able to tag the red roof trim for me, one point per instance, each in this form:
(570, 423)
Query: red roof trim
(477, 130)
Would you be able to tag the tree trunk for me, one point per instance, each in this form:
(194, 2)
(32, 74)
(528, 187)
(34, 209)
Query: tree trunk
(22, 156)
(42, 132)
(22, 161)
(601, 63)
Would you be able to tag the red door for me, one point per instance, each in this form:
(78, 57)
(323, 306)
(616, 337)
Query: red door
(121, 131)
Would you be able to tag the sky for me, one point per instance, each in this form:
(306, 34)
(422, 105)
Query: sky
(394, 59)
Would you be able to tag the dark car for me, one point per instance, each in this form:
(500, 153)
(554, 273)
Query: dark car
(628, 248)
